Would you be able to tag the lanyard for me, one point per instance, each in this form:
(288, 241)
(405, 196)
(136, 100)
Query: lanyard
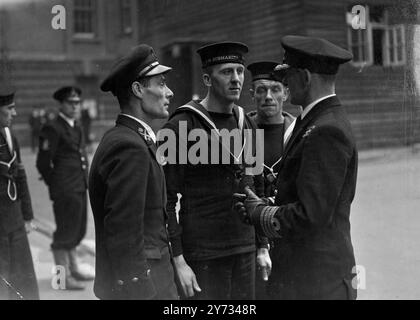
(10, 182)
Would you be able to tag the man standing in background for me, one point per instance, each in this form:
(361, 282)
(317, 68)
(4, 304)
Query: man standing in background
(63, 165)
(268, 95)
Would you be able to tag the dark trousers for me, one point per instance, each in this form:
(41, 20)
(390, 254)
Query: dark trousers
(70, 212)
(260, 287)
(16, 267)
(227, 278)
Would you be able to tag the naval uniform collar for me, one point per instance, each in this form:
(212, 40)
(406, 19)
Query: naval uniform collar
(313, 104)
(70, 121)
(148, 129)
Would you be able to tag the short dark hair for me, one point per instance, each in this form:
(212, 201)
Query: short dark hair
(124, 94)
(144, 81)
(208, 70)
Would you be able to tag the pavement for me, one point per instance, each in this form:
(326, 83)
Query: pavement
(385, 223)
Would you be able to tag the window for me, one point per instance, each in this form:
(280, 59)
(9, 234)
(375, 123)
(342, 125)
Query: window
(395, 45)
(126, 25)
(359, 46)
(85, 18)
(380, 43)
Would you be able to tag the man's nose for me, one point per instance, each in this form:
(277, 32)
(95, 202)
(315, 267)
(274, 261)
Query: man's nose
(14, 113)
(269, 95)
(235, 76)
(169, 94)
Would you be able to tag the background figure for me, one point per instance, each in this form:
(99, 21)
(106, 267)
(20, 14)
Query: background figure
(268, 95)
(36, 120)
(17, 275)
(86, 121)
(127, 186)
(63, 164)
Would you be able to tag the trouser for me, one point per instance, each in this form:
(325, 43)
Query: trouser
(162, 273)
(260, 287)
(16, 267)
(70, 212)
(227, 278)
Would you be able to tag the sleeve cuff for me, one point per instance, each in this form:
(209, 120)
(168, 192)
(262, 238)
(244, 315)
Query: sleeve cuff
(266, 223)
(176, 246)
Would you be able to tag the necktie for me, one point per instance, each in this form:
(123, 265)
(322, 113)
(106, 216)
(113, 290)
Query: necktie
(297, 124)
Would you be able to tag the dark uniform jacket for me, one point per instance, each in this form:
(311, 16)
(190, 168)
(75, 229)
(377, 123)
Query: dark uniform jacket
(13, 213)
(208, 228)
(128, 197)
(62, 160)
(314, 257)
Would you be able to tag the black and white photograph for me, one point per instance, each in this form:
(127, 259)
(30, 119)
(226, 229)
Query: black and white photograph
(209, 154)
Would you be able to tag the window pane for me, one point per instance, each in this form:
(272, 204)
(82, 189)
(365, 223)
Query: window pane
(391, 54)
(354, 37)
(356, 56)
(126, 16)
(363, 54)
(391, 37)
(400, 53)
(377, 37)
(399, 36)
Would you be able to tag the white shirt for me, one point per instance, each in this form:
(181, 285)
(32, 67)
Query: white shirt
(313, 104)
(67, 119)
(145, 125)
(288, 133)
(9, 139)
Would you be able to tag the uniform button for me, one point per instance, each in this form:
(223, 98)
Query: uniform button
(83, 158)
(84, 167)
(148, 272)
(120, 282)
(135, 279)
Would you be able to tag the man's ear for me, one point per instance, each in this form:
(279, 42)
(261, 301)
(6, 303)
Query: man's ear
(207, 80)
(308, 77)
(286, 93)
(138, 89)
